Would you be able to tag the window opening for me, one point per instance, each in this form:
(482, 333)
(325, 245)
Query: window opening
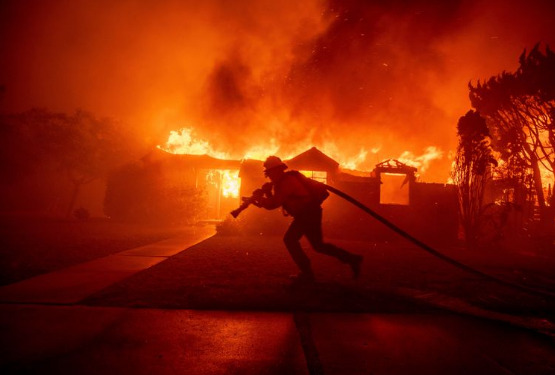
(394, 189)
(320, 176)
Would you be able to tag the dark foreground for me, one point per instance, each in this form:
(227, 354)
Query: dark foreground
(224, 306)
(96, 340)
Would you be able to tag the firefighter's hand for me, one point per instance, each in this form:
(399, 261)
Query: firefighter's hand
(257, 197)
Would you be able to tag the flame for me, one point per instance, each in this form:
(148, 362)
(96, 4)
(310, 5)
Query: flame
(183, 142)
(230, 183)
(422, 162)
(358, 162)
(354, 162)
(261, 152)
(226, 181)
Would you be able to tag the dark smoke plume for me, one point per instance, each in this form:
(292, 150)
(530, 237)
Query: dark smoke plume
(382, 77)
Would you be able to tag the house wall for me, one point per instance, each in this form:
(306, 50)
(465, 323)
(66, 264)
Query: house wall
(430, 216)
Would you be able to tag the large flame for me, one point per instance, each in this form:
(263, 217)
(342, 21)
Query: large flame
(227, 182)
(421, 162)
(183, 141)
(230, 183)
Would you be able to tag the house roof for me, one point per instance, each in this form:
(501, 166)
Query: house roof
(313, 159)
(209, 162)
(251, 167)
(394, 166)
(193, 161)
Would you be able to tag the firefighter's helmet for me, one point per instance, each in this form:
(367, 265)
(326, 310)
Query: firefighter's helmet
(273, 162)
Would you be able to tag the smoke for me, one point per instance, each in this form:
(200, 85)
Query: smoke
(348, 76)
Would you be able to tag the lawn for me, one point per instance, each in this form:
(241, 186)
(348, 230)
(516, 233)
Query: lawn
(251, 273)
(33, 245)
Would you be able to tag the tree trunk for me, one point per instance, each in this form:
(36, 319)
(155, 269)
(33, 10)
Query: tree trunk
(546, 220)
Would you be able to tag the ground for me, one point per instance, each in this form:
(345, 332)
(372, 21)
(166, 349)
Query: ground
(225, 305)
(252, 273)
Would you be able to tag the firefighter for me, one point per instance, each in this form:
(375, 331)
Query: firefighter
(291, 191)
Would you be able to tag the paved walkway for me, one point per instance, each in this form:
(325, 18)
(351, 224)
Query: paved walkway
(71, 285)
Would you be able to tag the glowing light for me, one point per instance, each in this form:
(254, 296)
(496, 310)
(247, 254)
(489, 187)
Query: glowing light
(230, 183)
(261, 152)
(347, 160)
(354, 162)
(422, 162)
(317, 175)
(182, 142)
(227, 181)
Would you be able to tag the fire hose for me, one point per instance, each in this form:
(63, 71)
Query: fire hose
(434, 252)
(247, 201)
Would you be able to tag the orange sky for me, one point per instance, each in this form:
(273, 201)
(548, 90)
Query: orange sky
(346, 76)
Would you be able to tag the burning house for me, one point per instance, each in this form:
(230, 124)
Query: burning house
(173, 188)
(208, 188)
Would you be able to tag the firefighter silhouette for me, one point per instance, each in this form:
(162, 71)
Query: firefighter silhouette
(301, 198)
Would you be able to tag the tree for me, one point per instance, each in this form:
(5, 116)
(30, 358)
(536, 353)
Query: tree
(520, 110)
(471, 172)
(142, 193)
(87, 148)
(79, 147)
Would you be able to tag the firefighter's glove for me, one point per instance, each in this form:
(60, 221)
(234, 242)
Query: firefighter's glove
(257, 197)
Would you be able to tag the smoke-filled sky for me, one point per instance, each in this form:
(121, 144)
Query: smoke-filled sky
(382, 77)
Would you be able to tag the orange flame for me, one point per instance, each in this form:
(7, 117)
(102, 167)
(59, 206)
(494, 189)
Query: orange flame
(261, 152)
(422, 162)
(230, 183)
(184, 142)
